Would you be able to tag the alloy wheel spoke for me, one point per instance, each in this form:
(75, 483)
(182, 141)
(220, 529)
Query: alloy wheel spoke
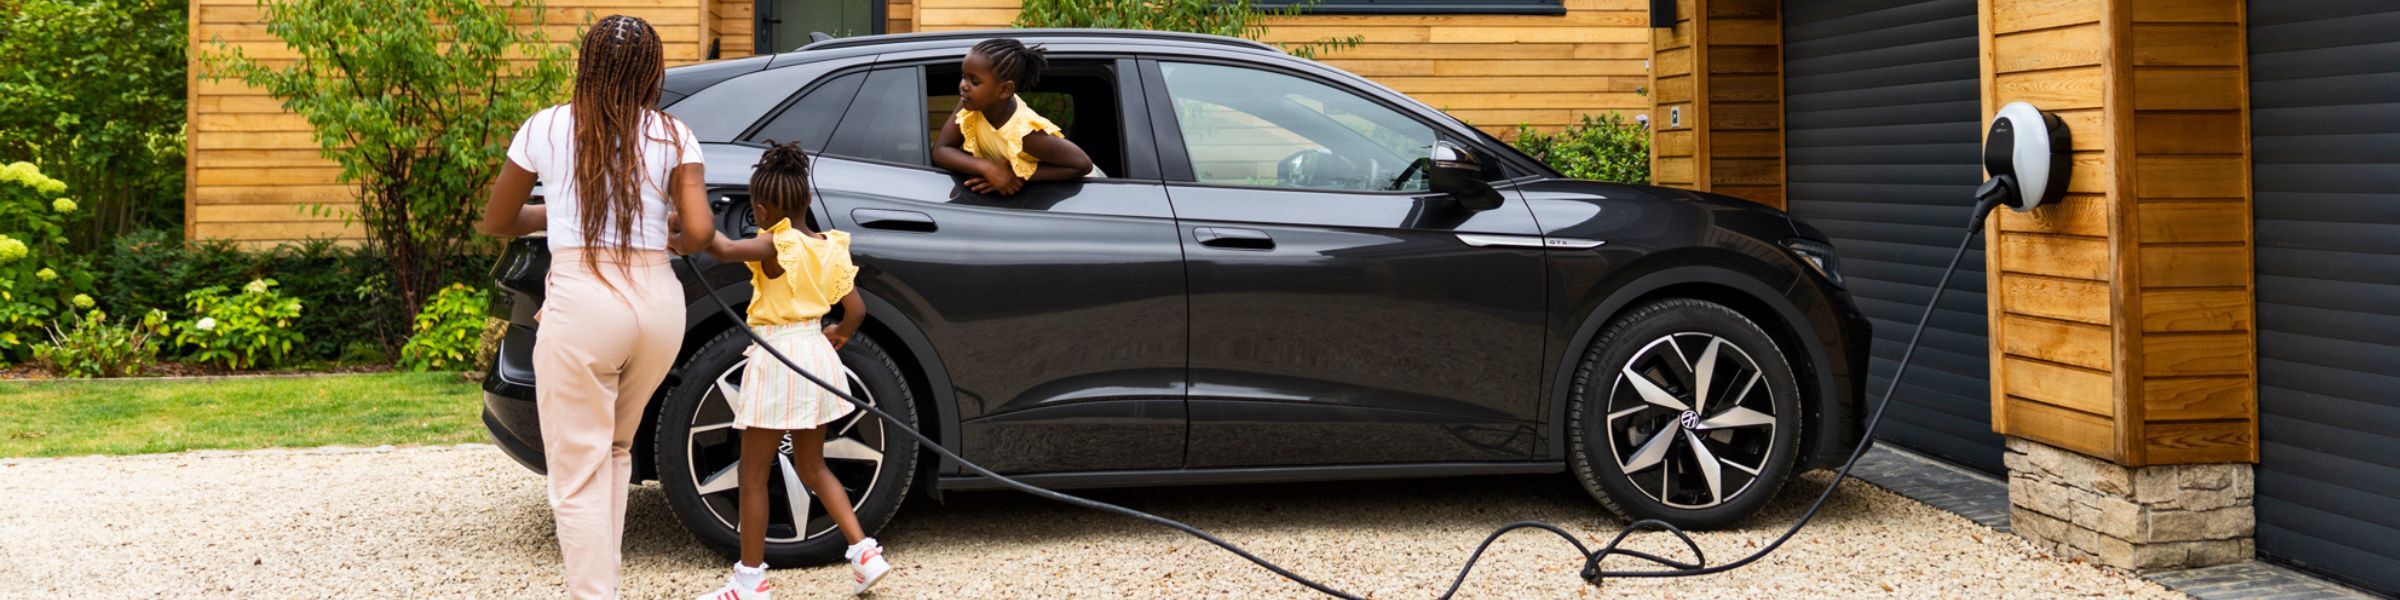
(724, 480)
(1651, 393)
(727, 386)
(1737, 417)
(852, 449)
(700, 429)
(1612, 417)
(1710, 468)
(1652, 452)
(1703, 372)
(795, 494)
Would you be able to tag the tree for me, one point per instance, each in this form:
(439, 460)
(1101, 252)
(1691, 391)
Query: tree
(1231, 18)
(416, 101)
(92, 92)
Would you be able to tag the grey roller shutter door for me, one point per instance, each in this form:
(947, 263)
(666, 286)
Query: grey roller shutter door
(2325, 126)
(1882, 105)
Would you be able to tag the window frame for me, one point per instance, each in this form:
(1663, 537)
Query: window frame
(1174, 153)
(1424, 7)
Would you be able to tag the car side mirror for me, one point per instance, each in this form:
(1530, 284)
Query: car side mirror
(1457, 172)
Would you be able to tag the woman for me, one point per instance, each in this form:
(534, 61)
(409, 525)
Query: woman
(613, 314)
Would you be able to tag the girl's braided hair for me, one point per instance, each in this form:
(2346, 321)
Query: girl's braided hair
(617, 77)
(780, 179)
(1014, 61)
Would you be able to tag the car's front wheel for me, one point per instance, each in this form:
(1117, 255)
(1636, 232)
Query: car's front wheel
(699, 455)
(1684, 411)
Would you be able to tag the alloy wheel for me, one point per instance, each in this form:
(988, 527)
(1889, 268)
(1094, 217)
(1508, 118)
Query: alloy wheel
(1690, 420)
(855, 446)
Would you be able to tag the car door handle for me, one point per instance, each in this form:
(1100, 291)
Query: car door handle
(896, 220)
(1234, 238)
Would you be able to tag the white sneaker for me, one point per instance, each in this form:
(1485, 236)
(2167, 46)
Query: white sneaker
(866, 564)
(734, 590)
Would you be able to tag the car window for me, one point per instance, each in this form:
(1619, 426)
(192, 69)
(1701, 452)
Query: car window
(1252, 127)
(882, 122)
(811, 119)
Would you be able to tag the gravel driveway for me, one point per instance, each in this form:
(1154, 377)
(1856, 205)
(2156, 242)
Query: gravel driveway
(465, 522)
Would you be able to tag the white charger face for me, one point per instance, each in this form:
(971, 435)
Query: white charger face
(2028, 150)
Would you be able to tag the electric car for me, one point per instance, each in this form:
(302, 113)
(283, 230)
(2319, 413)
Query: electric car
(1280, 272)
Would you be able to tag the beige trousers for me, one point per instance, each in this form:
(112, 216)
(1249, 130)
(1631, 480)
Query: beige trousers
(599, 357)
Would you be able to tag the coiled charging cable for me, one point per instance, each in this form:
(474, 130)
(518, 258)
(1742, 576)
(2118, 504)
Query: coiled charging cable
(1592, 573)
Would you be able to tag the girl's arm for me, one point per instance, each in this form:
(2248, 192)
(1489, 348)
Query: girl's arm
(1061, 159)
(506, 214)
(854, 314)
(950, 153)
(692, 231)
(760, 249)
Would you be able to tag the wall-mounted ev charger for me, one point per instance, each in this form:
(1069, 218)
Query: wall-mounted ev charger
(2026, 154)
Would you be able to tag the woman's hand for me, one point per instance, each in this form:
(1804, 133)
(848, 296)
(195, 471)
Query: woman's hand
(506, 214)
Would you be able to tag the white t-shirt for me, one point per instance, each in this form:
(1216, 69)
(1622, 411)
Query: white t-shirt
(545, 145)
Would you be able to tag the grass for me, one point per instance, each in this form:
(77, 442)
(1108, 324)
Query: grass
(77, 417)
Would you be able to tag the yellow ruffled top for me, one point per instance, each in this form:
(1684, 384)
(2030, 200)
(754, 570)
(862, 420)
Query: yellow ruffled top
(817, 273)
(1005, 142)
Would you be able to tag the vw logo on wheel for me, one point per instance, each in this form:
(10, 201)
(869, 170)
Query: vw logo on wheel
(1690, 420)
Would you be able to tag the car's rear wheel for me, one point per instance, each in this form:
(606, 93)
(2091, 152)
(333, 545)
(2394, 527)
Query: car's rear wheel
(699, 455)
(1684, 411)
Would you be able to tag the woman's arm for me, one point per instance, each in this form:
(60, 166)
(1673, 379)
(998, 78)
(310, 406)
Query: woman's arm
(693, 231)
(854, 314)
(1061, 159)
(506, 214)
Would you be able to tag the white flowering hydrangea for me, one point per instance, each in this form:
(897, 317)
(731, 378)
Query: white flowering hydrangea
(11, 249)
(256, 286)
(46, 275)
(64, 205)
(82, 301)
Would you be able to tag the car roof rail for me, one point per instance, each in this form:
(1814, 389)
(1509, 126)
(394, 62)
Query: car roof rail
(1141, 34)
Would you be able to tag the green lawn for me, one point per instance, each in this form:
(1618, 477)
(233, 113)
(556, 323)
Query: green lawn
(76, 417)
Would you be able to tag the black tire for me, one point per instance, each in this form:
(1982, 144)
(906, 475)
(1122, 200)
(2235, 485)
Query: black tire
(1614, 424)
(876, 489)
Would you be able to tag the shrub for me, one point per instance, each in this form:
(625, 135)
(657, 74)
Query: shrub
(1231, 18)
(40, 275)
(448, 331)
(415, 100)
(249, 329)
(349, 297)
(91, 347)
(93, 92)
(1604, 147)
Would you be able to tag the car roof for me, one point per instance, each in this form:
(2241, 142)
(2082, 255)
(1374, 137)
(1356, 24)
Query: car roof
(1064, 35)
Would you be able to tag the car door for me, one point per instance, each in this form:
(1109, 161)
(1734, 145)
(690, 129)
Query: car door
(1341, 312)
(1058, 314)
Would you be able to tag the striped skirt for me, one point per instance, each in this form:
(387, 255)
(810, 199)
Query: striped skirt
(773, 397)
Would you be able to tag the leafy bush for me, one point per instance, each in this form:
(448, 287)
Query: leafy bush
(154, 268)
(1231, 18)
(40, 276)
(448, 331)
(249, 329)
(1604, 147)
(353, 317)
(93, 92)
(92, 347)
(416, 100)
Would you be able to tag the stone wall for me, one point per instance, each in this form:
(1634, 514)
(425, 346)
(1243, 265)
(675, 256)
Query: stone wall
(2140, 518)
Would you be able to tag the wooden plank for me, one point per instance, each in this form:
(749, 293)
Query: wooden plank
(2076, 46)
(2191, 176)
(2213, 132)
(1745, 88)
(283, 231)
(1673, 90)
(252, 122)
(2009, 16)
(1430, 85)
(1661, 119)
(1735, 10)
(1552, 68)
(2165, 355)
(1743, 171)
(2174, 310)
(2056, 256)
(985, 17)
(284, 140)
(2187, 222)
(1504, 119)
(1674, 143)
(2088, 173)
(260, 158)
(1747, 144)
(2197, 398)
(2083, 129)
(1673, 171)
(2074, 214)
(1447, 101)
(1674, 62)
(1744, 59)
(274, 176)
(256, 213)
(1679, 36)
(1614, 51)
(1730, 115)
(1536, 35)
(2125, 299)
(2062, 342)
(2057, 90)
(2200, 442)
(2187, 89)
(2195, 266)
(1384, 68)
(2187, 45)
(1769, 195)
(1449, 51)
(1293, 33)
(2186, 11)
(2085, 433)
(1573, 18)
(2080, 389)
(2063, 299)
(1744, 32)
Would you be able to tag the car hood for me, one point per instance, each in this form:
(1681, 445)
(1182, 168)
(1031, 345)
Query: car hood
(1582, 208)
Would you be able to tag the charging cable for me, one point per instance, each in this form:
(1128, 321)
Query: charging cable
(1592, 573)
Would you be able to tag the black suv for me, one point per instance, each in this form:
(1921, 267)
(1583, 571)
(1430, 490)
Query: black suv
(1283, 272)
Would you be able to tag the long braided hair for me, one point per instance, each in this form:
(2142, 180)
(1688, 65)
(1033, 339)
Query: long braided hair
(1014, 61)
(780, 179)
(617, 81)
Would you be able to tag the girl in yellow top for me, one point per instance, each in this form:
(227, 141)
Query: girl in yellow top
(798, 275)
(997, 141)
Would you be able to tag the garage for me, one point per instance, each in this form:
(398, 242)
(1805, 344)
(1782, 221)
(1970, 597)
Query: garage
(2325, 126)
(1882, 137)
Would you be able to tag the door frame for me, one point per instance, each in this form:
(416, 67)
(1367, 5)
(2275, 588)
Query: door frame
(764, 21)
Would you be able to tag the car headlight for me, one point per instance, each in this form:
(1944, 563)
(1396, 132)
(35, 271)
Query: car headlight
(1819, 255)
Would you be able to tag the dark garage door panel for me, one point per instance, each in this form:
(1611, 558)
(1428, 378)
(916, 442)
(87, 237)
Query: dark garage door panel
(1882, 129)
(2325, 120)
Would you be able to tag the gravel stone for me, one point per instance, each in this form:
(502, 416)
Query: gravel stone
(464, 521)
